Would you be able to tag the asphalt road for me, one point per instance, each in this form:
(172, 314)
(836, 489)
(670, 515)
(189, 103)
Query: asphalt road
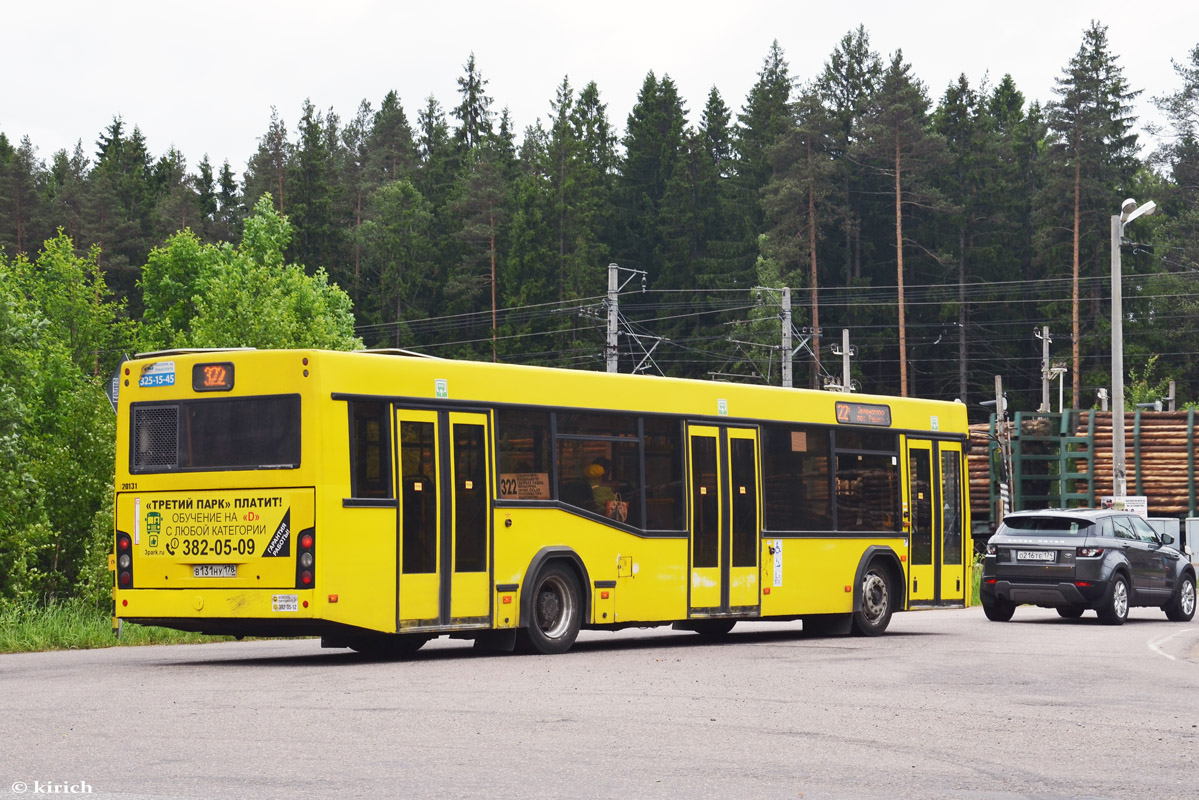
(945, 704)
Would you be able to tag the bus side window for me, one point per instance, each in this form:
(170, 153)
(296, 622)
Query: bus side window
(796, 469)
(370, 449)
(867, 469)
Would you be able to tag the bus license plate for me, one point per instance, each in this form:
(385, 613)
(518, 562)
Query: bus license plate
(214, 571)
(1036, 555)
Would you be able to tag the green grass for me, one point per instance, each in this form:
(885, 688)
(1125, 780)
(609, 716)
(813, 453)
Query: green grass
(75, 625)
(977, 575)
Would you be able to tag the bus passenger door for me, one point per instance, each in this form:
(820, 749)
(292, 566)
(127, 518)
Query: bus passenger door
(951, 563)
(936, 572)
(724, 521)
(921, 523)
(444, 535)
(470, 520)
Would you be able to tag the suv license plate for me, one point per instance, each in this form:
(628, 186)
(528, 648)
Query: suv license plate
(214, 571)
(1036, 555)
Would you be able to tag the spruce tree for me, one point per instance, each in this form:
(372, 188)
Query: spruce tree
(1092, 156)
(315, 194)
(268, 168)
(899, 145)
(796, 202)
(847, 86)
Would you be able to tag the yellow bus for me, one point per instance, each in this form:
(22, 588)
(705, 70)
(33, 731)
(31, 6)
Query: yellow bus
(378, 499)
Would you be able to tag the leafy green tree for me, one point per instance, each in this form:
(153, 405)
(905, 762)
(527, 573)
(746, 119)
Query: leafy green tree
(60, 334)
(252, 298)
(175, 274)
(205, 295)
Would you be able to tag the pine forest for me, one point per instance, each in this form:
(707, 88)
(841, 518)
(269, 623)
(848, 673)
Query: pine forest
(940, 226)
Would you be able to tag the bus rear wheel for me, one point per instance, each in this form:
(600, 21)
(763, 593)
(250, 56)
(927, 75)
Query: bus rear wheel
(555, 613)
(875, 613)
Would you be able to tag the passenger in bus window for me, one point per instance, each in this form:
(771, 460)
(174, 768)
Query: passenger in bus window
(601, 491)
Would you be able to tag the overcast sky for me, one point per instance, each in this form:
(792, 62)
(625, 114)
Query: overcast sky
(204, 75)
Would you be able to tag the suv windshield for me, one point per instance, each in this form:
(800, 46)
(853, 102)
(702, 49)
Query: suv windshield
(1058, 525)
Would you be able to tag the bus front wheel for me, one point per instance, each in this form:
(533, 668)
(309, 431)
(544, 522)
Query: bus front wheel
(555, 612)
(875, 612)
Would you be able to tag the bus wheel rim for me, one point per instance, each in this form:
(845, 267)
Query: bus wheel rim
(555, 607)
(874, 596)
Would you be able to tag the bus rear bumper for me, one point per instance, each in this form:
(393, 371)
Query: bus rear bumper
(201, 609)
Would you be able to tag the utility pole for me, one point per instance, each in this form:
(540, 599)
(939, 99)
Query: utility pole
(845, 350)
(786, 337)
(1043, 335)
(611, 350)
(1005, 449)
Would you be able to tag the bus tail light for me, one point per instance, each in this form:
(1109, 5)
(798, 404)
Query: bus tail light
(306, 559)
(124, 561)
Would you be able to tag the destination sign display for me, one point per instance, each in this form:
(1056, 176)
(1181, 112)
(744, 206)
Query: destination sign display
(864, 414)
(212, 377)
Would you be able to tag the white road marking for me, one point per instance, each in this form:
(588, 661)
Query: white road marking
(1156, 644)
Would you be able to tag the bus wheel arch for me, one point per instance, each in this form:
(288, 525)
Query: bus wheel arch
(878, 590)
(554, 603)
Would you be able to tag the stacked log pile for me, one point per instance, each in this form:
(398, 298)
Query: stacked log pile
(1163, 460)
(978, 464)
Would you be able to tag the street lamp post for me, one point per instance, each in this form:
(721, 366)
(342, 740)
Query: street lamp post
(1129, 210)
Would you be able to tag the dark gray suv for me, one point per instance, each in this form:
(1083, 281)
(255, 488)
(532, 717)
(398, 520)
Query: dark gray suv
(1085, 559)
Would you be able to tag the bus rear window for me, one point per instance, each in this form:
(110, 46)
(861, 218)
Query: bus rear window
(233, 433)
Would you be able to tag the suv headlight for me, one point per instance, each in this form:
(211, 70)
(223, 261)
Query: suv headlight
(992, 549)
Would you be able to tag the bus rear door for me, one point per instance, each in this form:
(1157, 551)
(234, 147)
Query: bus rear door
(936, 572)
(444, 529)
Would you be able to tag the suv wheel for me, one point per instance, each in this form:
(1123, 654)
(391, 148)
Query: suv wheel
(1115, 610)
(1070, 612)
(998, 610)
(1181, 607)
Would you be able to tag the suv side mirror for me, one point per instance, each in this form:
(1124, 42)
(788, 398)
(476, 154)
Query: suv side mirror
(1167, 538)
